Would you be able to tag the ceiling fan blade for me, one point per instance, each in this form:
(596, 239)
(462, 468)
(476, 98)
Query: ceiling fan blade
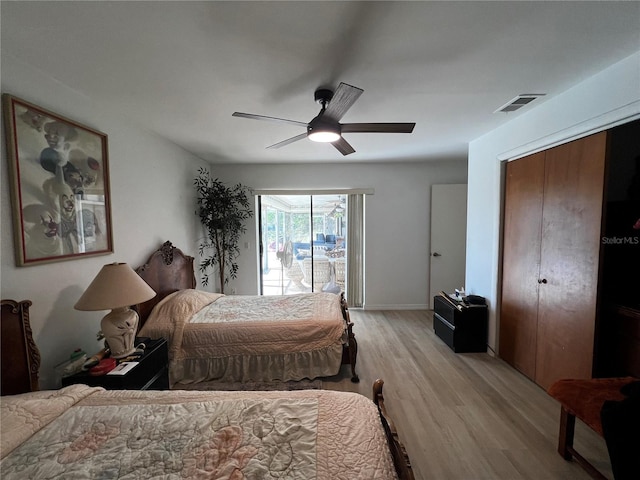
(288, 141)
(378, 127)
(343, 99)
(270, 119)
(343, 146)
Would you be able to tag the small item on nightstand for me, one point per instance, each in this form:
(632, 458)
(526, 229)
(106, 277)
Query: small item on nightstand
(130, 358)
(104, 366)
(123, 368)
(475, 300)
(95, 359)
(134, 357)
(73, 365)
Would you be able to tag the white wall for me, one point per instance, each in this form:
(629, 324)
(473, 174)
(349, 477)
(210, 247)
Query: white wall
(607, 99)
(153, 200)
(397, 218)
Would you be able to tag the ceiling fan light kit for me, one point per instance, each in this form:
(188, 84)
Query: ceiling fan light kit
(319, 131)
(326, 126)
(323, 136)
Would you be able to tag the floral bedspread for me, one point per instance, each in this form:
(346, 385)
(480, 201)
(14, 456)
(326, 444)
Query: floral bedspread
(258, 308)
(196, 435)
(206, 325)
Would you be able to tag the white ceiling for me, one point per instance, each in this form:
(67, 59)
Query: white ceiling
(181, 68)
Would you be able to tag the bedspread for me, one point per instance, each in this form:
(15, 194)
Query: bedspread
(257, 325)
(218, 435)
(258, 308)
(243, 337)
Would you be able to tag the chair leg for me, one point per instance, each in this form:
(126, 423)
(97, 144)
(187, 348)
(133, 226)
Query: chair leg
(565, 444)
(567, 429)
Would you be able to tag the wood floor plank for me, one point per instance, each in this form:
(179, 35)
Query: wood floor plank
(462, 416)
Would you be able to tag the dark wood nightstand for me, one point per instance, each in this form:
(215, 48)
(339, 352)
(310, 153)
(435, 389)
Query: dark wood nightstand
(151, 373)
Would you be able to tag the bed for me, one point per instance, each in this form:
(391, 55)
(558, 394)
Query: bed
(88, 432)
(242, 338)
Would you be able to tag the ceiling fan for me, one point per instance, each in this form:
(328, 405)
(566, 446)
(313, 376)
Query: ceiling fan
(326, 126)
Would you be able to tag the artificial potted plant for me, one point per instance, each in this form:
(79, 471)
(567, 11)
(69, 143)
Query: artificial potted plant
(223, 211)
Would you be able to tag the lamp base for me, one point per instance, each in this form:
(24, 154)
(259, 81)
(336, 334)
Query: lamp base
(119, 329)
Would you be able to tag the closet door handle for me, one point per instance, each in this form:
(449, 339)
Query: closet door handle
(542, 280)
(436, 254)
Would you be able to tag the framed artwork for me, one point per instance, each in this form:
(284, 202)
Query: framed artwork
(59, 178)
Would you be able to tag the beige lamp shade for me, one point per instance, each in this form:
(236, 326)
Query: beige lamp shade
(115, 286)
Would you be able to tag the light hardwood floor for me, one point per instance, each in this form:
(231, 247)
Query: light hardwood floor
(466, 416)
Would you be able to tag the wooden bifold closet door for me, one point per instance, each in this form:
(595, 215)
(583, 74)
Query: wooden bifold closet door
(521, 262)
(551, 250)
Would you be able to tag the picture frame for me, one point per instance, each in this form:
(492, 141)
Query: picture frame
(59, 181)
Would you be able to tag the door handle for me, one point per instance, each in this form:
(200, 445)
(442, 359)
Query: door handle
(542, 280)
(436, 254)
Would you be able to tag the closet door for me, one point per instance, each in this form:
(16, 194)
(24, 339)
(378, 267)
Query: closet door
(521, 262)
(569, 260)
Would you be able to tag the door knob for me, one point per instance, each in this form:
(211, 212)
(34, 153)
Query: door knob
(436, 254)
(542, 280)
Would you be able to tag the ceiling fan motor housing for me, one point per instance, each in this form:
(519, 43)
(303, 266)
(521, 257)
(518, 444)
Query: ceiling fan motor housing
(323, 96)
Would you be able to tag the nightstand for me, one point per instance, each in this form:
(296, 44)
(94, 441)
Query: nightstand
(151, 373)
(461, 326)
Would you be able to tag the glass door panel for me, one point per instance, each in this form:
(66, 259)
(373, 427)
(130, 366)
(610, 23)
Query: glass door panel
(303, 243)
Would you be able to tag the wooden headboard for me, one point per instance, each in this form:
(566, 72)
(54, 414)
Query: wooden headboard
(20, 355)
(167, 271)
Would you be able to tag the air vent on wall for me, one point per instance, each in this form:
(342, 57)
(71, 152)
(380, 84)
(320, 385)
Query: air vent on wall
(519, 102)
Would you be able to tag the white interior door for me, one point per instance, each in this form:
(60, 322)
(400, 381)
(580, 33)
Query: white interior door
(448, 238)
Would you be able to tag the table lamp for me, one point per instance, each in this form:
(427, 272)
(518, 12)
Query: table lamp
(116, 288)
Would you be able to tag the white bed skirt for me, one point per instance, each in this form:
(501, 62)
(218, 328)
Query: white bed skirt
(258, 368)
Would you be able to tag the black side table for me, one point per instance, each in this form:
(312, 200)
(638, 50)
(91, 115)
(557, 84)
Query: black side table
(151, 373)
(461, 326)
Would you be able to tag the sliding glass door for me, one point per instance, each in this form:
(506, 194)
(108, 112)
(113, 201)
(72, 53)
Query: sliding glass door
(303, 243)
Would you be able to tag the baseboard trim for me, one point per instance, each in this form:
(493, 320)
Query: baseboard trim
(418, 306)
